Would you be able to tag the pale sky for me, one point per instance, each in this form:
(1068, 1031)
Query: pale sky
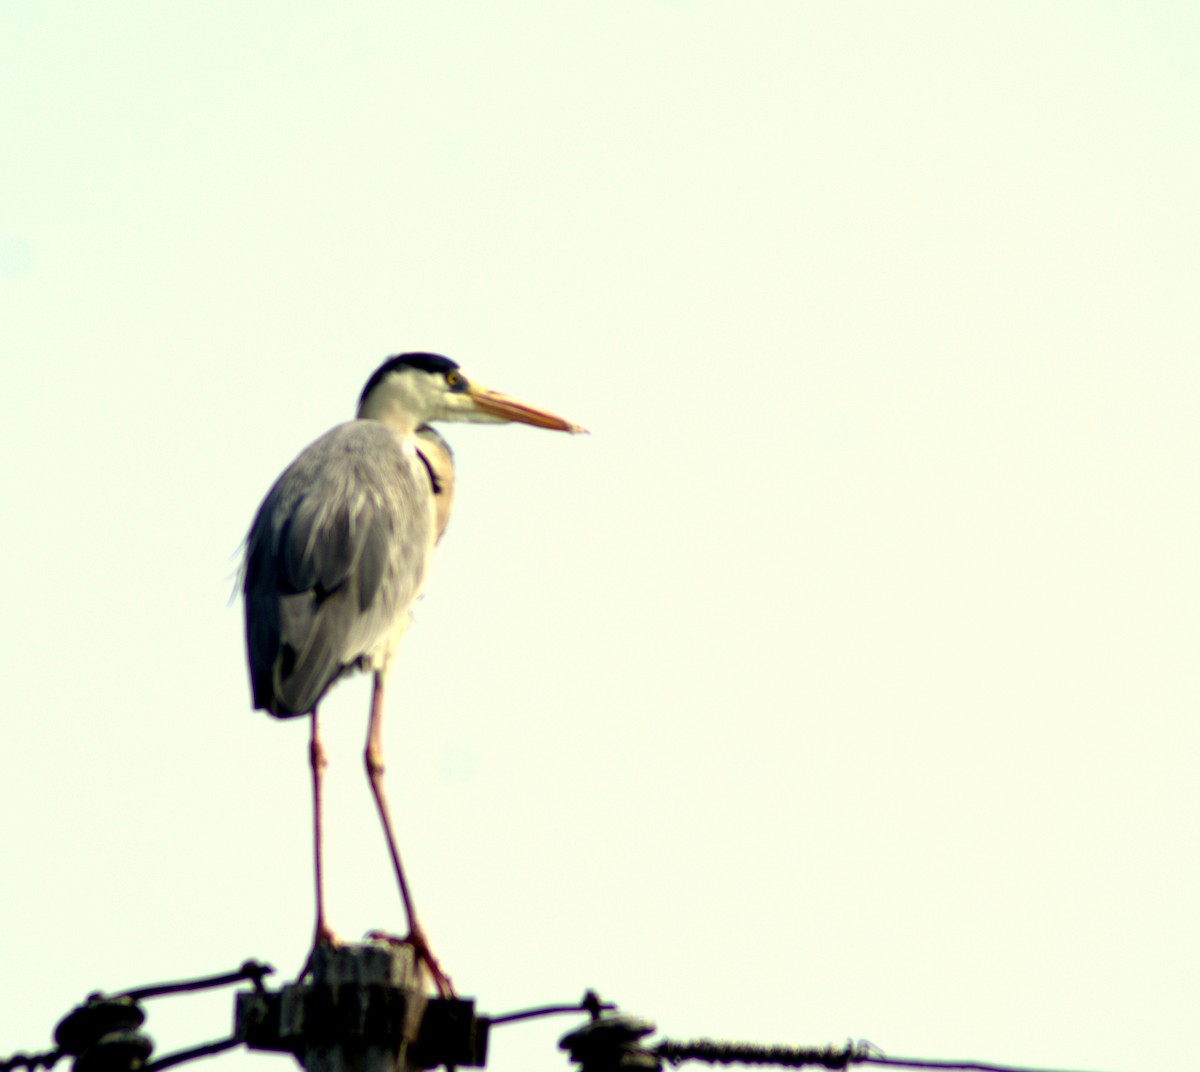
(842, 683)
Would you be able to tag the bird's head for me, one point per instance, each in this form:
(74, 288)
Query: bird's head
(410, 390)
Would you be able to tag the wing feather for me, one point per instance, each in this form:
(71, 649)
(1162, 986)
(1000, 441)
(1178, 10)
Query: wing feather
(335, 558)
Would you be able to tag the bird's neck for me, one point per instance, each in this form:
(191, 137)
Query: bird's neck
(389, 412)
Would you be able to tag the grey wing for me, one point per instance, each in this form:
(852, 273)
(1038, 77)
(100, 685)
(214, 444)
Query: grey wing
(335, 558)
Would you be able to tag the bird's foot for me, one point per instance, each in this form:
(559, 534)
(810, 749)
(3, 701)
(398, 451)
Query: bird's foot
(424, 955)
(323, 937)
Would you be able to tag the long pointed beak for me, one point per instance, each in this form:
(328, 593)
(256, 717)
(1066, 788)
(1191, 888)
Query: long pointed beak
(509, 409)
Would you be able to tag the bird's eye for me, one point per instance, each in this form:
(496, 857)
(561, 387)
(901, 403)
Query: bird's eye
(455, 380)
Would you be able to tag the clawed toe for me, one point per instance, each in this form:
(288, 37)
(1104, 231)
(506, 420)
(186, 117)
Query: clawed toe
(424, 954)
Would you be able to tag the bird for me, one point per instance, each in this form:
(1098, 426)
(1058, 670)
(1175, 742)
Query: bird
(337, 555)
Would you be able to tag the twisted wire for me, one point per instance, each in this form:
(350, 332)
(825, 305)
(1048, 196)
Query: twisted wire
(31, 1061)
(745, 1053)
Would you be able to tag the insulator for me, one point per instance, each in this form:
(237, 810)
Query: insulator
(86, 1025)
(118, 1051)
(610, 1044)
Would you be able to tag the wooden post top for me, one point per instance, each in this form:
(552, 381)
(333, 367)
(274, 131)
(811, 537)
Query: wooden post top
(359, 1010)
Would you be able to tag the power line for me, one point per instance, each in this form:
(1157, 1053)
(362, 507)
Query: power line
(965, 1066)
(105, 1031)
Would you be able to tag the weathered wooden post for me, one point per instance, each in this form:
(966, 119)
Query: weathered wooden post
(365, 1008)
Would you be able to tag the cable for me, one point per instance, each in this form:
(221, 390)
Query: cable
(612, 1042)
(31, 1061)
(251, 970)
(110, 1023)
(591, 1004)
(178, 1058)
(861, 1052)
(878, 1058)
(746, 1053)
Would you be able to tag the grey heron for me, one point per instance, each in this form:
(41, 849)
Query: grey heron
(338, 553)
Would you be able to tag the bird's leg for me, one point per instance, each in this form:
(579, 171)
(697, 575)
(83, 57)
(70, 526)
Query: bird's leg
(374, 761)
(318, 763)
